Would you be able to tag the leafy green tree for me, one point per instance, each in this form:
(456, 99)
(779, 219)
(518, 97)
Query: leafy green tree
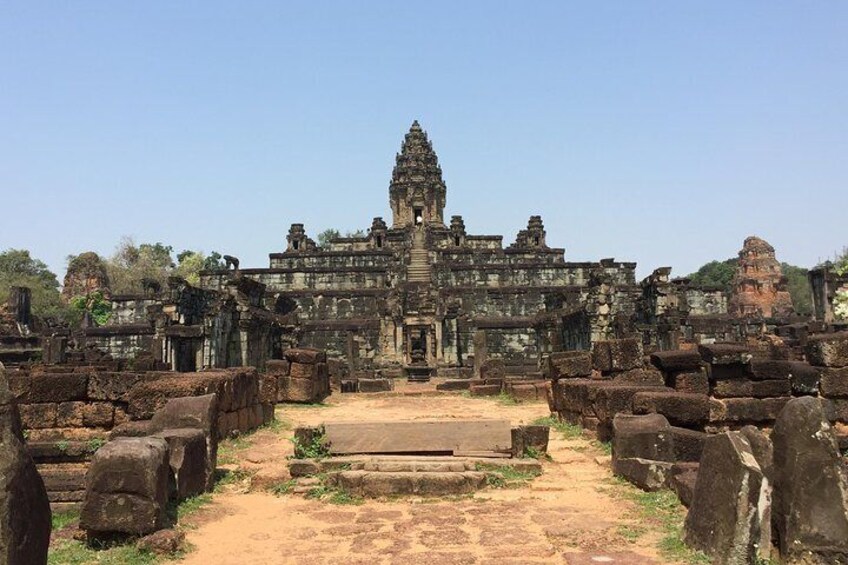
(328, 235)
(131, 263)
(95, 304)
(19, 268)
(717, 274)
(214, 262)
(799, 288)
(840, 266)
(189, 265)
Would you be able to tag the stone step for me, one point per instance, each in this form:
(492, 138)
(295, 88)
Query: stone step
(376, 484)
(410, 463)
(439, 436)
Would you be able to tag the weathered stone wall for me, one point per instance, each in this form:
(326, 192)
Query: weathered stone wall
(69, 412)
(706, 302)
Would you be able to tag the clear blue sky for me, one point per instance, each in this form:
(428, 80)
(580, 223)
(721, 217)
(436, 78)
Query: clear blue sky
(657, 132)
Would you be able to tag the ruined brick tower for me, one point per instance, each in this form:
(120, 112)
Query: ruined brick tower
(417, 192)
(759, 287)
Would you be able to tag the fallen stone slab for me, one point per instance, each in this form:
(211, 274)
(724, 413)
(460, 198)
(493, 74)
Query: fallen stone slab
(187, 457)
(569, 364)
(198, 412)
(127, 488)
(25, 519)
(688, 444)
(724, 354)
(644, 437)
(810, 485)
(418, 436)
(681, 409)
(647, 474)
(641, 376)
(375, 385)
(729, 518)
(682, 479)
(677, 360)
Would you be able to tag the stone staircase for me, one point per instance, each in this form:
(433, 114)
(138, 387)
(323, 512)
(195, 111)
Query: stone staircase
(406, 475)
(418, 270)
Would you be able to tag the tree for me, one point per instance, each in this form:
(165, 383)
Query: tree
(19, 268)
(326, 236)
(840, 266)
(798, 286)
(189, 265)
(214, 262)
(131, 263)
(715, 274)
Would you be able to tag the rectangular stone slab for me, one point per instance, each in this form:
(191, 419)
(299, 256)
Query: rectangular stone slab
(419, 436)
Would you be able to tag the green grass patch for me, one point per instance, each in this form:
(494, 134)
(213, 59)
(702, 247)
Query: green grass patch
(62, 520)
(531, 452)
(663, 510)
(73, 552)
(333, 495)
(280, 489)
(506, 399)
(570, 431)
(225, 478)
(191, 505)
(507, 476)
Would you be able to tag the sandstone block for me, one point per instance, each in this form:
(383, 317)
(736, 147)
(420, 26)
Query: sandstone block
(804, 378)
(834, 382)
(762, 370)
(304, 371)
(771, 388)
(811, 487)
(688, 444)
(492, 370)
(617, 354)
(678, 360)
(642, 437)
(484, 390)
(681, 409)
(376, 385)
(682, 480)
(693, 382)
(642, 376)
(530, 438)
(569, 364)
(70, 414)
(736, 388)
(305, 355)
(751, 410)
(188, 460)
(127, 487)
(98, 414)
(277, 367)
(291, 389)
(729, 518)
(724, 354)
(647, 474)
(46, 387)
(828, 350)
(197, 412)
(39, 416)
(25, 519)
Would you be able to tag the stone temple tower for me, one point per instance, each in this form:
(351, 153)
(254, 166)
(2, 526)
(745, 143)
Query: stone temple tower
(759, 287)
(417, 192)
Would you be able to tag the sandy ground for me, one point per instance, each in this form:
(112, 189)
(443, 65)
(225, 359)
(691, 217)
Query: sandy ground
(568, 515)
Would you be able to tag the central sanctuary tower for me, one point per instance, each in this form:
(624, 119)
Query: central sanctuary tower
(423, 296)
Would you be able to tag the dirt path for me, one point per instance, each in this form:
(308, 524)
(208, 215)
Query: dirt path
(568, 515)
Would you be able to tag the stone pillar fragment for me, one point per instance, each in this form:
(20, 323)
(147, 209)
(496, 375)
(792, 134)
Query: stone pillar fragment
(811, 487)
(24, 509)
(729, 518)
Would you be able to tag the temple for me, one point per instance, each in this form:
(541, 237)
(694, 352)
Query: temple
(413, 295)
